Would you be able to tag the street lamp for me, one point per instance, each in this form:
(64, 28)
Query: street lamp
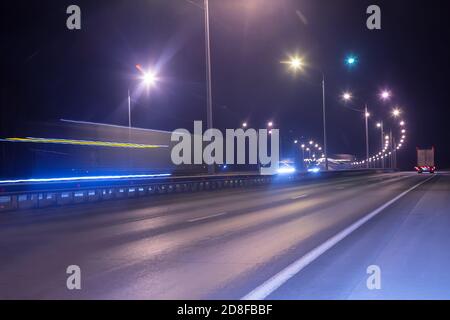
(309, 150)
(269, 126)
(347, 96)
(148, 78)
(351, 61)
(303, 155)
(209, 116)
(385, 94)
(296, 64)
(244, 125)
(396, 112)
(381, 126)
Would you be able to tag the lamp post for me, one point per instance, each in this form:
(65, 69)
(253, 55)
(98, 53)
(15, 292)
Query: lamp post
(209, 117)
(381, 126)
(297, 64)
(303, 156)
(148, 78)
(324, 123)
(366, 116)
(129, 109)
(309, 153)
(347, 96)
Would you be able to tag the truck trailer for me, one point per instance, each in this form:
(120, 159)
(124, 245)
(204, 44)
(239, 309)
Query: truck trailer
(425, 161)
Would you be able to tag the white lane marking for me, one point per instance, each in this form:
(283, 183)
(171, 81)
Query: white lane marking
(287, 273)
(208, 217)
(299, 196)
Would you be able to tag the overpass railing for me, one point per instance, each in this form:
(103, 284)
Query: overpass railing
(41, 195)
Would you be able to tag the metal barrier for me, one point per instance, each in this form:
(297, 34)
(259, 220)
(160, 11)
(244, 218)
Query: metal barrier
(39, 196)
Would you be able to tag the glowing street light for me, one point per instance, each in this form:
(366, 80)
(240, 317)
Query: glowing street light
(385, 94)
(402, 123)
(351, 61)
(396, 112)
(347, 96)
(270, 124)
(149, 79)
(295, 63)
(244, 125)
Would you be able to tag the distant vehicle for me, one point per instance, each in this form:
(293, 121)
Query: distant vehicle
(425, 160)
(286, 167)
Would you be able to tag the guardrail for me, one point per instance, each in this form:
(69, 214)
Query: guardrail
(41, 195)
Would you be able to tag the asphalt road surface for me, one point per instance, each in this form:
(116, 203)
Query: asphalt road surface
(311, 240)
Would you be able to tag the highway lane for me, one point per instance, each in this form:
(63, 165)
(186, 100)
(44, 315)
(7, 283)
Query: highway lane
(219, 244)
(409, 242)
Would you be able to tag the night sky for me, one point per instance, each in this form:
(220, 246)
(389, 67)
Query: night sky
(49, 72)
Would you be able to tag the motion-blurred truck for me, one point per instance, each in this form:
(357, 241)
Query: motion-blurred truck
(425, 160)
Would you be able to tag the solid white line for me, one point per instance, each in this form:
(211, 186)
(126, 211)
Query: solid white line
(207, 217)
(300, 196)
(284, 275)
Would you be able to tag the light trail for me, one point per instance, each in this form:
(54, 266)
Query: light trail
(86, 178)
(85, 143)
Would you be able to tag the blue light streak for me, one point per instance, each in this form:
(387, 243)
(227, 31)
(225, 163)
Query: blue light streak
(86, 178)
